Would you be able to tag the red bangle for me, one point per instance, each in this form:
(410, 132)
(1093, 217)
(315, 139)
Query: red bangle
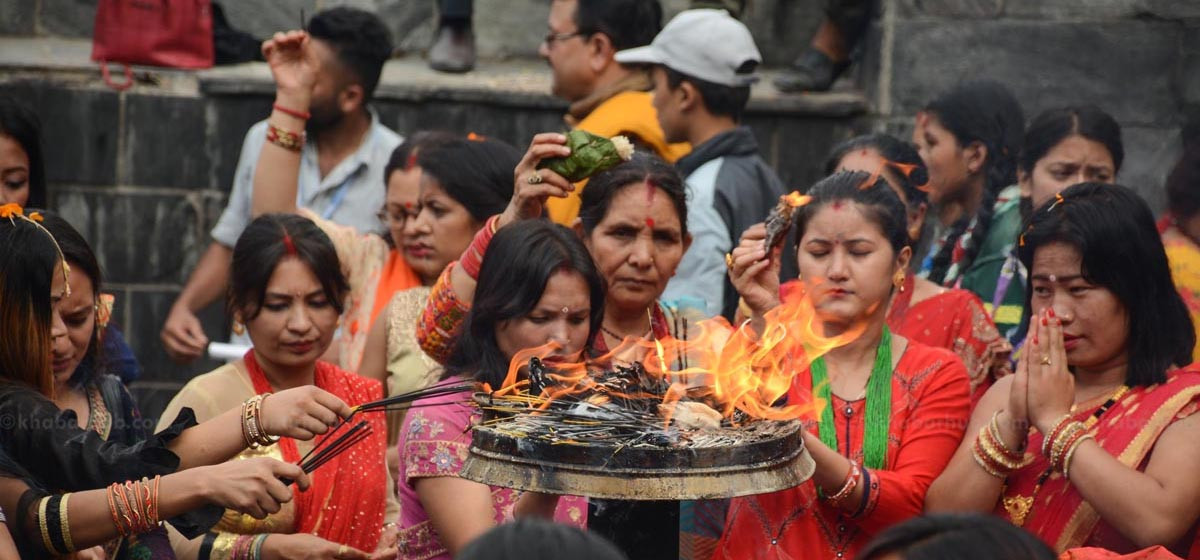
(472, 259)
(303, 115)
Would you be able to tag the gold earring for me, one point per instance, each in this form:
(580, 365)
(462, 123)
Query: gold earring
(899, 281)
(238, 328)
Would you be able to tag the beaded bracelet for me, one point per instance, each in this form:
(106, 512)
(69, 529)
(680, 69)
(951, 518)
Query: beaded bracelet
(286, 139)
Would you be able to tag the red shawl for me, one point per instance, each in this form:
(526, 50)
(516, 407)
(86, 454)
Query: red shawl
(347, 499)
(1128, 431)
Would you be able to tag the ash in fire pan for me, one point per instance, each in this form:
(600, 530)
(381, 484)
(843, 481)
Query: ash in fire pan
(609, 436)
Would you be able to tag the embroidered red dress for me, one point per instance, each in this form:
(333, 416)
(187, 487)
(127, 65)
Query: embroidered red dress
(930, 409)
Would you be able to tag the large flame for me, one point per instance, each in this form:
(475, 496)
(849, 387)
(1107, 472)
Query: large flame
(733, 368)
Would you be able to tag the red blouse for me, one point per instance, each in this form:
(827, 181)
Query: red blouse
(930, 409)
(954, 320)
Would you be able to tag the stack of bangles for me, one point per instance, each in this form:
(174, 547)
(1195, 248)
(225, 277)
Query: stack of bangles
(284, 138)
(472, 258)
(1063, 440)
(133, 505)
(252, 430)
(248, 547)
(993, 455)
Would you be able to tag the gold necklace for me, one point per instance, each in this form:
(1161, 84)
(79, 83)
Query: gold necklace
(1018, 506)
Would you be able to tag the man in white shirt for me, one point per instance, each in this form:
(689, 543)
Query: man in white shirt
(342, 162)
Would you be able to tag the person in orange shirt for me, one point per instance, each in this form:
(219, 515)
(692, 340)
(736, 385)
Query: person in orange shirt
(607, 98)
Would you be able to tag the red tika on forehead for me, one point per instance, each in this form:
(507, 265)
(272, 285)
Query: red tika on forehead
(411, 161)
(650, 222)
(289, 248)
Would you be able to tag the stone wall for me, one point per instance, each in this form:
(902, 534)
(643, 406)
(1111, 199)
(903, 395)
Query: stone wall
(144, 173)
(505, 28)
(1137, 59)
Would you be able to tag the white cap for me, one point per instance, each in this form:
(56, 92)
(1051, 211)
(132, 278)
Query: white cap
(707, 44)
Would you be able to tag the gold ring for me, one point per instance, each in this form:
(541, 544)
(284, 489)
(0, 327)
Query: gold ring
(341, 550)
(1045, 359)
(728, 260)
(534, 179)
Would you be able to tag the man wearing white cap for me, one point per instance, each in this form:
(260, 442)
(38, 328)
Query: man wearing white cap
(704, 62)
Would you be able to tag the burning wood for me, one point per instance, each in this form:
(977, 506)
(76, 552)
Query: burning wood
(779, 221)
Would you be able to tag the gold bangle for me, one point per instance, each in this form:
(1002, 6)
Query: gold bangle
(264, 439)
(65, 524)
(1059, 425)
(1064, 436)
(994, 428)
(1071, 453)
(982, 462)
(989, 449)
(45, 529)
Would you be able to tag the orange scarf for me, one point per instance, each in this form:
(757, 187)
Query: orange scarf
(346, 501)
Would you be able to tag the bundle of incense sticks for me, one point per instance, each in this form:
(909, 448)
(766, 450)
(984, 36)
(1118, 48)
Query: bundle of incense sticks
(335, 443)
(405, 400)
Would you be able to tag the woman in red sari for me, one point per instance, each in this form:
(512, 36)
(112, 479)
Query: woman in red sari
(1111, 459)
(921, 310)
(287, 290)
(893, 409)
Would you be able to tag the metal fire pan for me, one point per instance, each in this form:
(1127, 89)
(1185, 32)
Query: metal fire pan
(641, 473)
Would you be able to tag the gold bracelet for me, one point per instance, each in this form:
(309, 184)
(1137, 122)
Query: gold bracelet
(264, 439)
(45, 529)
(994, 428)
(248, 423)
(1059, 425)
(1000, 454)
(976, 451)
(284, 138)
(1064, 436)
(66, 526)
(1071, 453)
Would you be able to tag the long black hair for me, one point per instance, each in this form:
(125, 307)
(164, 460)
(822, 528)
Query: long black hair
(265, 242)
(1051, 127)
(961, 535)
(641, 168)
(1115, 234)
(21, 124)
(986, 112)
(880, 203)
(512, 278)
(477, 173)
(79, 255)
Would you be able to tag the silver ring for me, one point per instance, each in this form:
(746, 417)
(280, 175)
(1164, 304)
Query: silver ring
(534, 179)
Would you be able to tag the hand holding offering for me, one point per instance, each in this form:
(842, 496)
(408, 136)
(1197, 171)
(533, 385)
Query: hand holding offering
(590, 154)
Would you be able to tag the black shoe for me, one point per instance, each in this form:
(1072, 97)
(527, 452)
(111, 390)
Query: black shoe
(812, 71)
(453, 49)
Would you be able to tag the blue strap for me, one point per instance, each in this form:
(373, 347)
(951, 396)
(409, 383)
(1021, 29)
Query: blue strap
(338, 197)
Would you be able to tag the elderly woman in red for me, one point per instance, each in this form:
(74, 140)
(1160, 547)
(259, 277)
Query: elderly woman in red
(1111, 459)
(894, 410)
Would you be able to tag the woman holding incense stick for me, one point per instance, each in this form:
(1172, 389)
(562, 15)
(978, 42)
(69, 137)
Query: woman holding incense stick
(891, 410)
(537, 286)
(53, 472)
(287, 291)
(1112, 456)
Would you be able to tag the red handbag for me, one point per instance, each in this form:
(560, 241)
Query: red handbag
(170, 33)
